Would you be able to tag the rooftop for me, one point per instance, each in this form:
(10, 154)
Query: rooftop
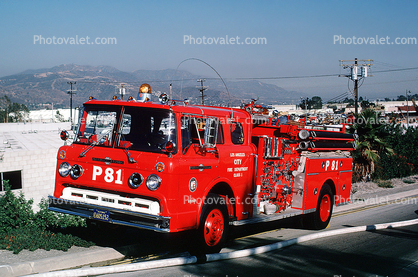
(30, 136)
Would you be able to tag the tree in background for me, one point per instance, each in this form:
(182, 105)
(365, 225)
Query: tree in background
(365, 104)
(314, 103)
(4, 108)
(11, 111)
(349, 101)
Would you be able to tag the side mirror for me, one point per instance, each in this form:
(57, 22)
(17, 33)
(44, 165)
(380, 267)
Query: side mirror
(211, 132)
(169, 147)
(64, 135)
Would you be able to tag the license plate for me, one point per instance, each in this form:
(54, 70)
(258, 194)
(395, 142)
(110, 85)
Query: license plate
(101, 215)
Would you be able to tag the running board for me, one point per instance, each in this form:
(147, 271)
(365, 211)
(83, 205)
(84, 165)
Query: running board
(267, 218)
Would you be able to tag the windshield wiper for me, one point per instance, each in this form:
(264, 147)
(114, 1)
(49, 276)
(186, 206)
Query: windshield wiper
(98, 141)
(130, 159)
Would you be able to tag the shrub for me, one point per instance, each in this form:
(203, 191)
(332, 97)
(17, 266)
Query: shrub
(21, 228)
(404, 161)
(393, 166)
(16, 211)
(33, 238)
(384, 184)
(49, 219)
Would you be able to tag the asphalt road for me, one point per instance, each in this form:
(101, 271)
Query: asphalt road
(390, 252)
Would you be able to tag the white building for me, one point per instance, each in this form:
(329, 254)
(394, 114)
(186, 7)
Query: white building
(54, 115)
(28, 157)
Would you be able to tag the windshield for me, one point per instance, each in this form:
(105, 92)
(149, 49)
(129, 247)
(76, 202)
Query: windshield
(147, 129)
(142, 129)
(98, 125)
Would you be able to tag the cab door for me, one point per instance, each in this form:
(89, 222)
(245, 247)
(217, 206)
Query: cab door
(198, 164)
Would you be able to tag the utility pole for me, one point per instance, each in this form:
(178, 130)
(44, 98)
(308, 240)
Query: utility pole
(202, 89)
(71, 92)
(407, 109)
(358, 72)
(355, 87)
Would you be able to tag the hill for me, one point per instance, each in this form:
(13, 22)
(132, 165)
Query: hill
(49, 85)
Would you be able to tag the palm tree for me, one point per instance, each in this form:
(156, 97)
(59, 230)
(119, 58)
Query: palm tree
(370, 145)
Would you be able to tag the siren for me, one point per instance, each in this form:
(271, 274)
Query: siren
(144, 93)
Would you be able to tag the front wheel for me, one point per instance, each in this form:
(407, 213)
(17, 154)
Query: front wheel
(213, 226)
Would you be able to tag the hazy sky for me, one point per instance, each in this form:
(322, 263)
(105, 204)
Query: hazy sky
(297, 38)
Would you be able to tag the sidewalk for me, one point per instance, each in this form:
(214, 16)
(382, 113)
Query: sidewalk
(64, 260)
(394, 195)
(39, 261)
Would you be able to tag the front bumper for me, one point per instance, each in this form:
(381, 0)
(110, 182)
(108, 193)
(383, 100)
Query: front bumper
(116, 216)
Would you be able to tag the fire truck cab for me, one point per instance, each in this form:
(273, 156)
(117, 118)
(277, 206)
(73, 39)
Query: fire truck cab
(171, 167)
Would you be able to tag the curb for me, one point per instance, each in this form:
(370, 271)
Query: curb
(96, 256)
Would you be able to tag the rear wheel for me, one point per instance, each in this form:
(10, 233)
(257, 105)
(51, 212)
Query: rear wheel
(322, 215)
(213, 226)
(323, 212)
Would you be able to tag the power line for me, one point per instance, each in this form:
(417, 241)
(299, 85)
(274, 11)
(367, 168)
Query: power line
(340, 97)
(387, 64)
(392, 82)
(399, 69)
(248, 78)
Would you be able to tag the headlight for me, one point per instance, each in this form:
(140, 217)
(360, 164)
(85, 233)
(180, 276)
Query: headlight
(64, 169)
(153, 182)
(135, 180)
(76, 171)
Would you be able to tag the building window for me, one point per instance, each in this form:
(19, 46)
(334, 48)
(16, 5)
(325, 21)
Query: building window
(14, 177)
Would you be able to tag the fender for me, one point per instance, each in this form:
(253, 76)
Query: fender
(212, 188)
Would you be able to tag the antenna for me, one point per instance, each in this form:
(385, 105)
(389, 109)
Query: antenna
(229, 96)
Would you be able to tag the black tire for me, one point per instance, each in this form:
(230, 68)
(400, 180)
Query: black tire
(320, 218)
(213, 227)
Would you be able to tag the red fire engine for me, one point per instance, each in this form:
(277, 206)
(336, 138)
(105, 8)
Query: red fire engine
(171, 167)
